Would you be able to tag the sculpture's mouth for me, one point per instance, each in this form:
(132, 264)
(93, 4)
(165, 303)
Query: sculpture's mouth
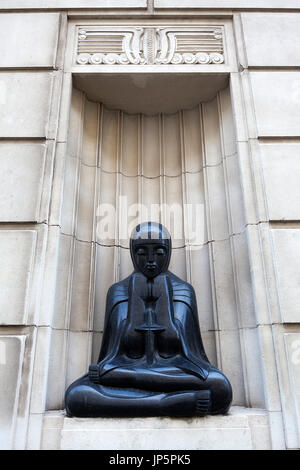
(151, 267)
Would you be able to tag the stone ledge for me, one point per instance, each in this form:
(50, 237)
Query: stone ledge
(241, 429)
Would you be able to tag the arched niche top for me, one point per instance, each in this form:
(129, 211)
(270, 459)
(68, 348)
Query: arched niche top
(150, 93)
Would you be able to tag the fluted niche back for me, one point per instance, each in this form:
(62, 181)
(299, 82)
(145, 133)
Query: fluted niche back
(183, 158)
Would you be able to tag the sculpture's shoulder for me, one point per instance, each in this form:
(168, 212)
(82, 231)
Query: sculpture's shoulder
(117, 293)
(120, 287)
(182, 291)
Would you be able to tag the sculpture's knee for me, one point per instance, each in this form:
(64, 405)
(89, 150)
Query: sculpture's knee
(79, 400)
(221, 392)
(74, 400)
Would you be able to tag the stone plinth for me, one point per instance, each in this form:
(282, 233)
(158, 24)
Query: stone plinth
(241, 429)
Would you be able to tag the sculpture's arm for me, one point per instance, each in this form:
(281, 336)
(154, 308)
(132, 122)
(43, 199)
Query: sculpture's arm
(116, 296)
(186, 313)
(116, 308)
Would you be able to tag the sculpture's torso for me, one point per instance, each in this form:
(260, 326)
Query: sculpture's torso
(179, 346)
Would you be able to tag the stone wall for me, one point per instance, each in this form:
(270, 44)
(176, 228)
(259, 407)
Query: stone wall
(48, 260)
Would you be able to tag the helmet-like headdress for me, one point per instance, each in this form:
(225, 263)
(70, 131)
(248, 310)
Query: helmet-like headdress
(150, 232)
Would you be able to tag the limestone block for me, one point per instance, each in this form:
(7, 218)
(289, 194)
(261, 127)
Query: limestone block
(234, 195)
(195, 227)
(276, 98)
(19, 35)
(276, 430)
(287, 258)
(206, 4)
(287, 351)
(11, 360)
(227, 123)
(281, 169)
(271, 386)
(260, 432)
(259, 193)
(174, 217)
(161, 138)
(218, 228)
(106, 222)
(152, 190)
(212, 138)
(272, 39)
(40, 372)
(70, 195)
(17, 249)
(253, 367)
(64, 112)
(57, 370)
(76, 4)
(76, 123)
(127, 204)
(234, 431)
(224, 285)
(246, 308)
(255, 235)
(151, 146)
(179, 263)
(129, 164)
(35, 428)
(245, 180)
(209, 343)
(193, 151)
(86, 203)
(57, 184)
(53, 422)
(47, 292)
(106, 261)
(81, 315)
(171, 129)
(135, 205)
(292, 342)
(21, 180)
(108, 151)
(25, 104)
(79, 355)
(198, 263)
(60, 319)
(126, 266)
(231, 364)
(90, 136)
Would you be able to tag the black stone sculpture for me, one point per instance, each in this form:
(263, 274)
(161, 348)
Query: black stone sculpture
(152, 361)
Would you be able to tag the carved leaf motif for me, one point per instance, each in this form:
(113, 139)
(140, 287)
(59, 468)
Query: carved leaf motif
(137, 45)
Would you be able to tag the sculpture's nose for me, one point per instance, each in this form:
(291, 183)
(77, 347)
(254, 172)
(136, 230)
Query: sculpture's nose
(150, 255)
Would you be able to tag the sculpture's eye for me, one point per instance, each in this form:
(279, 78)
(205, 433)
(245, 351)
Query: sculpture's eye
(141, 252)
(160, 251)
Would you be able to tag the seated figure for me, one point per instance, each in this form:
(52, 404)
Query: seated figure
(152, 361)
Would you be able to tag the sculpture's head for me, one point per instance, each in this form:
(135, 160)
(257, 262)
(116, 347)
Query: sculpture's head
(150, 249)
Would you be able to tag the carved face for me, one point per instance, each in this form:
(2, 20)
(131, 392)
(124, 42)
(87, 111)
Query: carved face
(150, 248)
(151, 258)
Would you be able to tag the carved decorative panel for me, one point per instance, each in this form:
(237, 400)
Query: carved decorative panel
(150, 45)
